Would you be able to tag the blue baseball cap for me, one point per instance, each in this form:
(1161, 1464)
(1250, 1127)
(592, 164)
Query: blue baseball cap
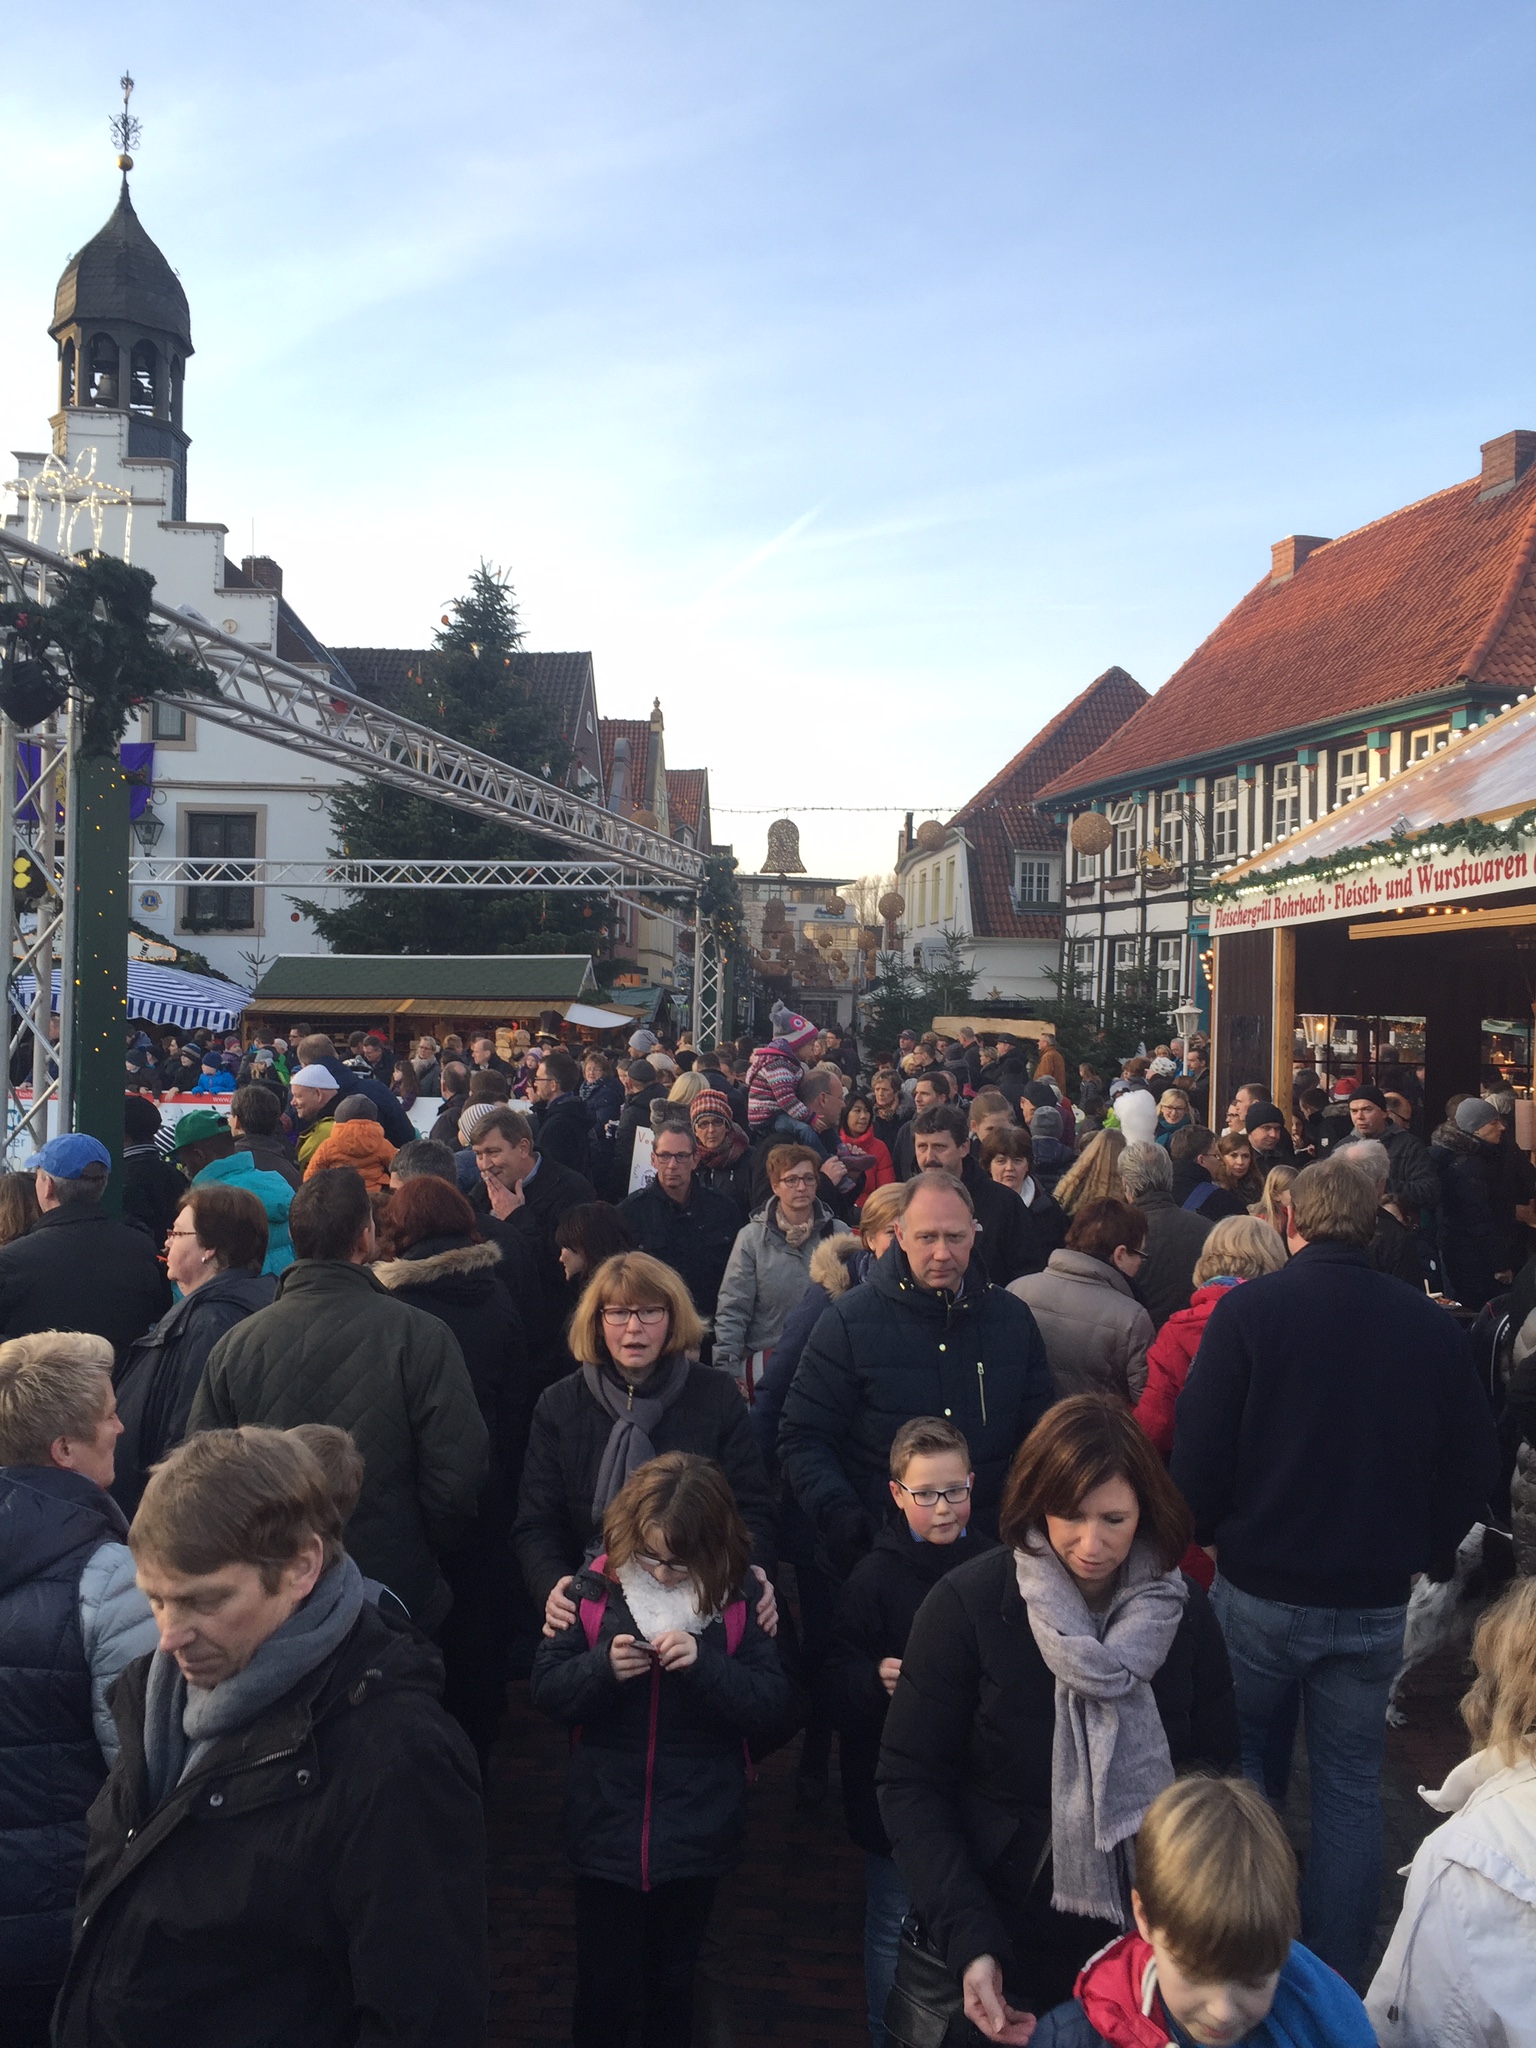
(70, 1157)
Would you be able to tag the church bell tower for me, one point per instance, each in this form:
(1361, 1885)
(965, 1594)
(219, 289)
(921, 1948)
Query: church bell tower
(124, 333)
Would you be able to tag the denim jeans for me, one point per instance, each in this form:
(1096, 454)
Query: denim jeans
(1340, 1660)
(886, 1905)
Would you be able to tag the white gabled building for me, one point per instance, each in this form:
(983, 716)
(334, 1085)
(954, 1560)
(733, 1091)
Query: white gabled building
(994, 875)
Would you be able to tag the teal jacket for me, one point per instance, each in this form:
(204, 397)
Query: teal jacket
(240, 1170)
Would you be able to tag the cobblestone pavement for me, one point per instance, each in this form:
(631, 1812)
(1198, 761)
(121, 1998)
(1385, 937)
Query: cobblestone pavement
(787, 1966)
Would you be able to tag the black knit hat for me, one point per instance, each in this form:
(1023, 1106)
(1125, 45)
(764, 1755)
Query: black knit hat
(1262, 1113)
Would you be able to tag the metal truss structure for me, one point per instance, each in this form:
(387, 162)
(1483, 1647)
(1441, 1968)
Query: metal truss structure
(315, 716)
(34, 790)
(551, 876)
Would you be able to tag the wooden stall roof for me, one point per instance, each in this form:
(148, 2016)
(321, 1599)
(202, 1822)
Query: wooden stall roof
(428, 984)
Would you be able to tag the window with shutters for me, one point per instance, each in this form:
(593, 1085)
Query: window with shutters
(1169, 960)
(224, 836)
(1125, 818)
(1125, 958)
(1224, 818)
(1170, 827)
(1352, 775)
(1285, 800)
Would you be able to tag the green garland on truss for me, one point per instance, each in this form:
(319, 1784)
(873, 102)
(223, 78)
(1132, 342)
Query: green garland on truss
(1463, 835)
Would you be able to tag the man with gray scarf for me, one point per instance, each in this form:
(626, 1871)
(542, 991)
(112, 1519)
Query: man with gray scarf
(290, 1846)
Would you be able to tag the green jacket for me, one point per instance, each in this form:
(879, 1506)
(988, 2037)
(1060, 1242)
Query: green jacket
(337, 1347)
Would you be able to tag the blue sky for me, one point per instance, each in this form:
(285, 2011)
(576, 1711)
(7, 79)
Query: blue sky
(861, 378)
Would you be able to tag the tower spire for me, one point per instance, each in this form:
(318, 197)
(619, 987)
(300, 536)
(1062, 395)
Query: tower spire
(124, 129)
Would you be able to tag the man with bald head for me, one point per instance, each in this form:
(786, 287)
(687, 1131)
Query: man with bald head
(927, 1334)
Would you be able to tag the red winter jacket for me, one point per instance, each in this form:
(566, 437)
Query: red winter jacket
(1169, 1357)
(881, 1174)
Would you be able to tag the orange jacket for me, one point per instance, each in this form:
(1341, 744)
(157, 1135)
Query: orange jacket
(356, 1143)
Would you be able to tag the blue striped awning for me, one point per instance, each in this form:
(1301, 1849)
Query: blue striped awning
(163, 995)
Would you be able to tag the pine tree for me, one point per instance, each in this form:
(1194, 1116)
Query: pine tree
(471, 687)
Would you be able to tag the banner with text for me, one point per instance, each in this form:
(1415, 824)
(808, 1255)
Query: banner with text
(1387, 886)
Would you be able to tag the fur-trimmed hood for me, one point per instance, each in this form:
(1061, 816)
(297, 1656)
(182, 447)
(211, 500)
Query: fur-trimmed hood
(452, 1263)
(832, 1263)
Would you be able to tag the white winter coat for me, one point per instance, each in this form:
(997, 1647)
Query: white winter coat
(1460, 1969)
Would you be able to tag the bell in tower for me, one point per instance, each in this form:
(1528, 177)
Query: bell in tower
(124, 333)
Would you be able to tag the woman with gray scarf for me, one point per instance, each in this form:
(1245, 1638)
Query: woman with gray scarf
(1050, 1690)
(638, 1389)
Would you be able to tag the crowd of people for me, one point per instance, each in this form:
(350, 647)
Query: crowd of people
(1057, 1456)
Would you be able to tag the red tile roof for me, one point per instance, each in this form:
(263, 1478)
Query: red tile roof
(1001, 820)
(1434, 594)
(638, 732)
(688, 799)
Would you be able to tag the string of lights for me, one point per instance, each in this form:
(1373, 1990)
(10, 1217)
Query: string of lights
(842, 810)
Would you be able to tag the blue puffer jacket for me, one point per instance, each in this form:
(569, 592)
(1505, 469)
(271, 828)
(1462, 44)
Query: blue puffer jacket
(275, 1195)
(71, 1618)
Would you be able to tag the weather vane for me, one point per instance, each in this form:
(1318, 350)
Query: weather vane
(124, 129)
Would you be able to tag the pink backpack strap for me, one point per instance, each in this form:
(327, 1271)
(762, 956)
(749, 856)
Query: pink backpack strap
(592, 1611)
(735, 1619)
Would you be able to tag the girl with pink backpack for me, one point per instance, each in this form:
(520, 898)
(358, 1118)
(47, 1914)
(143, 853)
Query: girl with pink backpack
(664, 1680)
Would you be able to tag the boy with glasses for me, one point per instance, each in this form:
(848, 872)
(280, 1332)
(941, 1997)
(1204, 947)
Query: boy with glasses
(931, 1482)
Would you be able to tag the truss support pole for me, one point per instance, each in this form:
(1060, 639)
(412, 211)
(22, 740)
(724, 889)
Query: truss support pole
(32, 768)
(710, 985)
(95, 981)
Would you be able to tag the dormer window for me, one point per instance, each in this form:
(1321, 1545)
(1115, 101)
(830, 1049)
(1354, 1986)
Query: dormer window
(1036, 881)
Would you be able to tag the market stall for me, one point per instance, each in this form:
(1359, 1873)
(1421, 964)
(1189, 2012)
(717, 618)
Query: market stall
(402, 995)
(1398, 932)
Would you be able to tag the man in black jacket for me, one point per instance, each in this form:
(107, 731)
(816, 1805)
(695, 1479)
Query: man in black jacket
(1332, 1440)
(562, 1121)
(152, 1188)
(641, 1089)
(254, 1116)
(686, 1226)
(290, 1806)
(1007, 1238)
(78, 1268)
(931, 1090)
(1175, 1236)
(521, 1199)
(1414, 1185)
(927, 1334)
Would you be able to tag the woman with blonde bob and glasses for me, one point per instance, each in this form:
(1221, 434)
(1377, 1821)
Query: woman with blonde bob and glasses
(638, 1390)
(1458, 1971)
(667, 1675)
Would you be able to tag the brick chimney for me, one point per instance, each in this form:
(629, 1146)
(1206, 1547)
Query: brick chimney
(1505, 461)
(264, 572)
(1286, 556)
